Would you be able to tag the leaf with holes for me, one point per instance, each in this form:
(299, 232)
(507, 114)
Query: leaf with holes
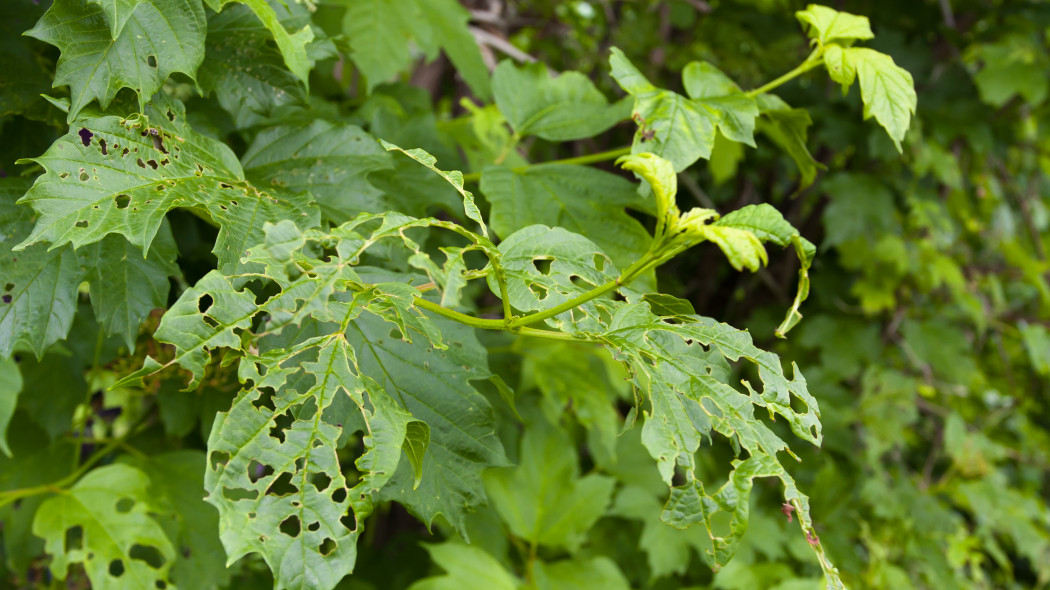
(104, 523)
(112, 175)
(159, 37)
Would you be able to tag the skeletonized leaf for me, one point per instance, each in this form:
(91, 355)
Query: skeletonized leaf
(159, 37)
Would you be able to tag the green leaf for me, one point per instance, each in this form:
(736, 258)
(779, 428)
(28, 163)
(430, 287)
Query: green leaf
(672, 126)
(117, 13)
(246, 73)
(176, 485)
(112, 175)
(417, 439)
(455, 178)
(468, 567)
(736, 111)
(1036, 340)
(379, 32)
(826, 25)
(330, 160)
(544, 500)
(120, 543)
(662, 178)
(125, 286)
(292, 46)
(434, 386)
(887, 89)
(449, 19)
(562, 108)
(10, 387)
(1013, 66)
(667, 549)
(38, 287)
(580, 574)
(742, 248)
(578, 198)
(788, 129)
(160, 37)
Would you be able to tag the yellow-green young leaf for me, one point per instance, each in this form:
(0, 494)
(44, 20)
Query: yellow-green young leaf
(468, 568)
(661, 176)
(562, 108)
(110, 175)
(825, 25)
(670, 125)
(887, 90)
(544, 500)
(768, 225)
(104, 523)
(742, 248)
(159, 37)
(581, 199)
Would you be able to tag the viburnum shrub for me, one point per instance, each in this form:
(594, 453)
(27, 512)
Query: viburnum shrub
(240, 315)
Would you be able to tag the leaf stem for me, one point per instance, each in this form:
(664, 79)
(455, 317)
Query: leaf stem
(588, 159)
(811, 62)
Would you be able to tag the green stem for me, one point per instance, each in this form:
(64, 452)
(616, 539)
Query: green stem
(501, 324)
(588, 159)
(811, 62)
(57, 486)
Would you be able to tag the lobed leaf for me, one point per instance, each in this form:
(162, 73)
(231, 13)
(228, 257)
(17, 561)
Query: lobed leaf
(825, 25)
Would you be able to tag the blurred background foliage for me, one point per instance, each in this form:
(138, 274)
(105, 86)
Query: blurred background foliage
(926, 338)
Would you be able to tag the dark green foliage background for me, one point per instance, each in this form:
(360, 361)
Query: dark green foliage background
(926, 337)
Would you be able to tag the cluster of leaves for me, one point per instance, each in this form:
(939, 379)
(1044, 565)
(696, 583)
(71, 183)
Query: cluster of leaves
(339, 318)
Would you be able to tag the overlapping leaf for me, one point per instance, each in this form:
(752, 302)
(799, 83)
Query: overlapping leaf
(578, 198)
(159, 37)
(558, 109)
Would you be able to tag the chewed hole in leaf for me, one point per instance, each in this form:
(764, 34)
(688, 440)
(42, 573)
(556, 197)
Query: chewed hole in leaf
(151, 61)
(543, 265)
(116, 568)
(6, 299)
(282, 486)
(581, 282)
(599, 262)
(257, 471)
(151, 555)
(349, 521)
(538, 290)
(82, 223)
(291, 526)
(219, 459)
(140, 163)
(327, 546)
(102, 146)
(74, 538)
(237, 494)
(339, 495)
(313, 527)
(204, 303)
(265, 399)
(122, 201)
(210, 322)
(321, 481)
(83, 175)
(281, 423)
(124, 505)
(798, 405)
(160, 584)
(85, 136)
